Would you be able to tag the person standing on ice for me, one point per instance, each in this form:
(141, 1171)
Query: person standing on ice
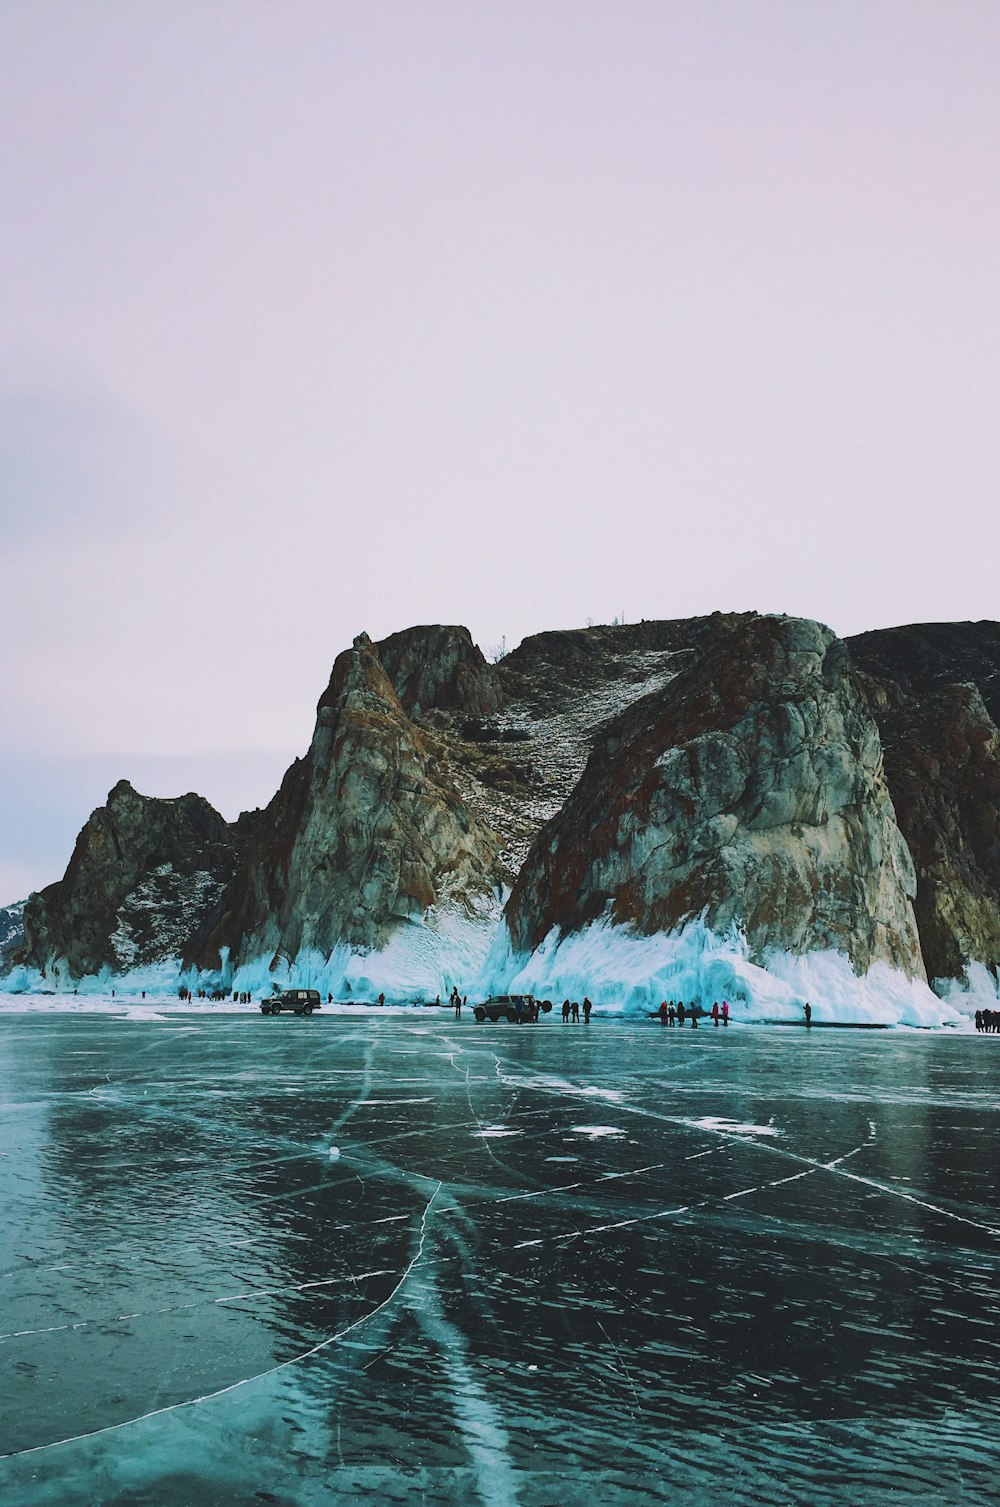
(575, 1012)
(565, 1009)
(680, 1012)
(715, 1012)
(457, 999)
(587, 1007)
(671, 1013)
(809, 1013)
(725, 1012)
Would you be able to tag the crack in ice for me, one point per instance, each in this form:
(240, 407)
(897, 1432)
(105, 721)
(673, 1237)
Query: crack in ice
(246, 1381)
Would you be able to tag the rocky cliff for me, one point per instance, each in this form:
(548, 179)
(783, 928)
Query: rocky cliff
(934, 691)
(750, 790)
(144, 874)
(367, 832)
(748, 769)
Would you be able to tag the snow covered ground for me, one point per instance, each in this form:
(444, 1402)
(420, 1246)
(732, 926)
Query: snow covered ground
(386, 1258)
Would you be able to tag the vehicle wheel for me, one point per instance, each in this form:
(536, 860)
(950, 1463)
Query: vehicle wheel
(264, 1010)
(546, 1005)
(309, 1009)
(480, 1015)
(512, 1015)
(275, 1009)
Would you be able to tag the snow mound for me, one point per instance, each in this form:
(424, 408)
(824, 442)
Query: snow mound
(979, 991)
(625, 972)
(424, 959)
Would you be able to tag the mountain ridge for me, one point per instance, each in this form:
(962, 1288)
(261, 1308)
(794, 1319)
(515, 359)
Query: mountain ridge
(815, 793)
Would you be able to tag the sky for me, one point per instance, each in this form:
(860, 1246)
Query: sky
(327, 317)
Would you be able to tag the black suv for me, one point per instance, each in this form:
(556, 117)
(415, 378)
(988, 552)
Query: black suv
(504, 1007)
(302, 1001)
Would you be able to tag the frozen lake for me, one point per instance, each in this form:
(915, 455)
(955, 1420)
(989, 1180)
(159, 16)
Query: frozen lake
(566, 1265)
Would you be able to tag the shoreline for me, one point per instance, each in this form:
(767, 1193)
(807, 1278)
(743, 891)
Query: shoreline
(130, 1008)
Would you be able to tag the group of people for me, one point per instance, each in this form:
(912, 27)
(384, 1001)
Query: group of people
(456, 1000)
(215, 995)
(675, 1015)
(571, 1010)
(988, 1020)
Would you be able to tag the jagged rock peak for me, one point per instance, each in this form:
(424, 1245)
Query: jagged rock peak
(144, 872)
(366, 833)
(358, 679)
(437, 667)
(749, 790)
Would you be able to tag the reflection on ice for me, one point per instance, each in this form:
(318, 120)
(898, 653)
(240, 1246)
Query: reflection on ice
(201, 1309)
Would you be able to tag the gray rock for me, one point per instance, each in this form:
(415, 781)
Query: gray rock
(365, 834)
(750, 789)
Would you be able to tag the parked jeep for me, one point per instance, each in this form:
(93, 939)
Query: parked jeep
(302, 1001)
(504, 1007)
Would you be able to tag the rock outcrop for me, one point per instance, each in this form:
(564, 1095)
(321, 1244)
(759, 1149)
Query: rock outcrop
(749, 790)
(934, 690)
(439, 668)
(365, 834)
(144, 874)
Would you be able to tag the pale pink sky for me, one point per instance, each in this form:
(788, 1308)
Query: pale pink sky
(339, 316)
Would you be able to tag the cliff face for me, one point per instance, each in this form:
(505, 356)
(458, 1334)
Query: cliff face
(934, 690)
(751, 769)
(144, 874)
(751, 789)
(366, 832)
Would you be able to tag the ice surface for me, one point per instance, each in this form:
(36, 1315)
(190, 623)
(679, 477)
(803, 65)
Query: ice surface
(776, 1280)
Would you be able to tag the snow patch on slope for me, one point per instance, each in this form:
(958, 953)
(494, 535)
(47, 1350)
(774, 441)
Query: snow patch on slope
(12, 924)
(557, 743)
(159, 914)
